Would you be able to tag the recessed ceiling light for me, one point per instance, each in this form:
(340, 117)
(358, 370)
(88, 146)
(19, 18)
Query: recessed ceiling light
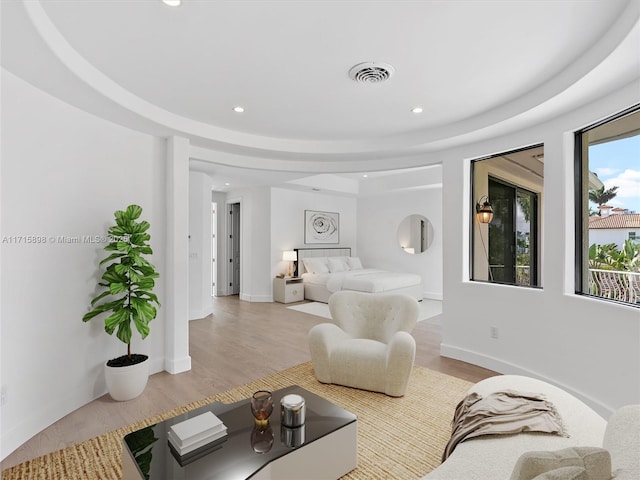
(172, 3)
(365, 175)
(226, 184)
(416, 110)
(238, 109)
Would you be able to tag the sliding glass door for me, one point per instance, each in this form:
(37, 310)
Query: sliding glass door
(512, 234)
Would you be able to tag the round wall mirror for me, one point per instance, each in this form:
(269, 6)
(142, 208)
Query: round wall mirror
(415, 234)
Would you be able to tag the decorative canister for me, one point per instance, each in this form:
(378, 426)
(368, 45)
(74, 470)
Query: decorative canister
(292, 410)
(292, 437)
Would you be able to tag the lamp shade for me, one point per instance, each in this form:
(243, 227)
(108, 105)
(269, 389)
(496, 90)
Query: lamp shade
(290, 256)
(484, 212)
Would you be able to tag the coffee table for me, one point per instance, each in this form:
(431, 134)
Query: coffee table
(324, 447)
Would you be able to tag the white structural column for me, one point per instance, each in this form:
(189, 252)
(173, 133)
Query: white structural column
(177, 357)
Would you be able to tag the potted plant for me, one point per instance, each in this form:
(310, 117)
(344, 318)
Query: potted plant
(127, 296)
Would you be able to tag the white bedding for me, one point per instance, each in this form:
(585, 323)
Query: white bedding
(316, 278)
(327, 270)
(371, 280)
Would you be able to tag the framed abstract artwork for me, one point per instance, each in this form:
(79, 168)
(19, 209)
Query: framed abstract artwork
(321, 227)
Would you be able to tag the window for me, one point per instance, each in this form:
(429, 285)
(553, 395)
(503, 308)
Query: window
(607, 171)
(506, 249)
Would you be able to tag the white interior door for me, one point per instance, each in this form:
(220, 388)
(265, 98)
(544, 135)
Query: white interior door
(214, 248)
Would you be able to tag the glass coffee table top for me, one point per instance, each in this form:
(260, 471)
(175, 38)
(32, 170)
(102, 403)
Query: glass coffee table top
(244, 451)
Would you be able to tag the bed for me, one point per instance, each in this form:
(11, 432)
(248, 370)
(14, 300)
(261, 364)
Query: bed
(328, 270)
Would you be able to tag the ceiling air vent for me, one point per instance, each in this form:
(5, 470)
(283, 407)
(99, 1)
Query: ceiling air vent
(371, 72)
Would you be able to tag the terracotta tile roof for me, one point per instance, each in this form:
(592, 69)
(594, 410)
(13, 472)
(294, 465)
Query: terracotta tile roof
(625, 220)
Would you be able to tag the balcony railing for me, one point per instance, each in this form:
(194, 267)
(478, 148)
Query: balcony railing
(616, 285)
(613, 284)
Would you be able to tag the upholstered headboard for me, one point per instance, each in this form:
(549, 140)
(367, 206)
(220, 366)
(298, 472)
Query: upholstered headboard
(318, 252)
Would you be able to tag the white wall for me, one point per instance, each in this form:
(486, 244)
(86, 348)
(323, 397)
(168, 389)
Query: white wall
(176, 278)
(199, 245)
(287, 222)
(64, 173)
(378, 220)
(590, 347)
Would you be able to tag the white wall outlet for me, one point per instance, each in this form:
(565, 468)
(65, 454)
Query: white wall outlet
(494, 332)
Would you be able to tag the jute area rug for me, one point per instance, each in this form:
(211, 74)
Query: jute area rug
(398, 438)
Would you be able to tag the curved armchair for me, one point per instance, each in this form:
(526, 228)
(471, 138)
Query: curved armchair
(369, 345)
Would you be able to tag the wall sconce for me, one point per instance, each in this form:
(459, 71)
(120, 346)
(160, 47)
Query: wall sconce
(290, 256)
(484, 211)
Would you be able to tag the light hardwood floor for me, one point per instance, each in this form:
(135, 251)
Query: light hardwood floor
(240, 342)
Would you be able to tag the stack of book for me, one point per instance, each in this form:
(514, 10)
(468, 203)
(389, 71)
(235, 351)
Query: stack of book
(197, 432)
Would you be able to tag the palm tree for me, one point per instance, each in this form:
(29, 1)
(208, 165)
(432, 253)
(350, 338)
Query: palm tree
(610, 257)
(602, 196)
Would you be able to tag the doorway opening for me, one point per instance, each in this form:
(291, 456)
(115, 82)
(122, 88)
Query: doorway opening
(513, 234)
(234, 247)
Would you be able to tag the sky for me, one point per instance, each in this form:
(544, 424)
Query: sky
(617, 164)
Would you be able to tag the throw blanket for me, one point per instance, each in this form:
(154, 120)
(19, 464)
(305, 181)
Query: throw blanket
(505, 412)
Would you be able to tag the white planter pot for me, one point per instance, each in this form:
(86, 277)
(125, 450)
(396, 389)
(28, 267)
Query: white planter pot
(126, 383)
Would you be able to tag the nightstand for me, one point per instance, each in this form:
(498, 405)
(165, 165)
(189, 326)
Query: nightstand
(288, 289)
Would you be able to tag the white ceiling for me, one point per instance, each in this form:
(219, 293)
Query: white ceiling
(473, 66)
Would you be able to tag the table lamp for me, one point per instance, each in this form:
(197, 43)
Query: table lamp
(290, 256)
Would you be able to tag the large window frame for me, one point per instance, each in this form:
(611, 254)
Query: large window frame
(593, 282)
(518, 173)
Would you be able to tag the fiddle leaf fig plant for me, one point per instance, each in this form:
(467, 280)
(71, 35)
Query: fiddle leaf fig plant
(128, 280)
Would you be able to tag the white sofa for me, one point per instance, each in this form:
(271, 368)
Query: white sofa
(493, 457)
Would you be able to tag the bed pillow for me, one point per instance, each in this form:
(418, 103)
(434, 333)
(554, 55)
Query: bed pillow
(316, 265)
(354, 263)
(338, 264)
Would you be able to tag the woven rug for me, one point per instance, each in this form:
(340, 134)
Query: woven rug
(398, 438)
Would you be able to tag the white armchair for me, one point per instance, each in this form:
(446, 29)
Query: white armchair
(369, 345)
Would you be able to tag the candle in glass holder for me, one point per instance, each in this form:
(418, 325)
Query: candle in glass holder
(261, 407)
